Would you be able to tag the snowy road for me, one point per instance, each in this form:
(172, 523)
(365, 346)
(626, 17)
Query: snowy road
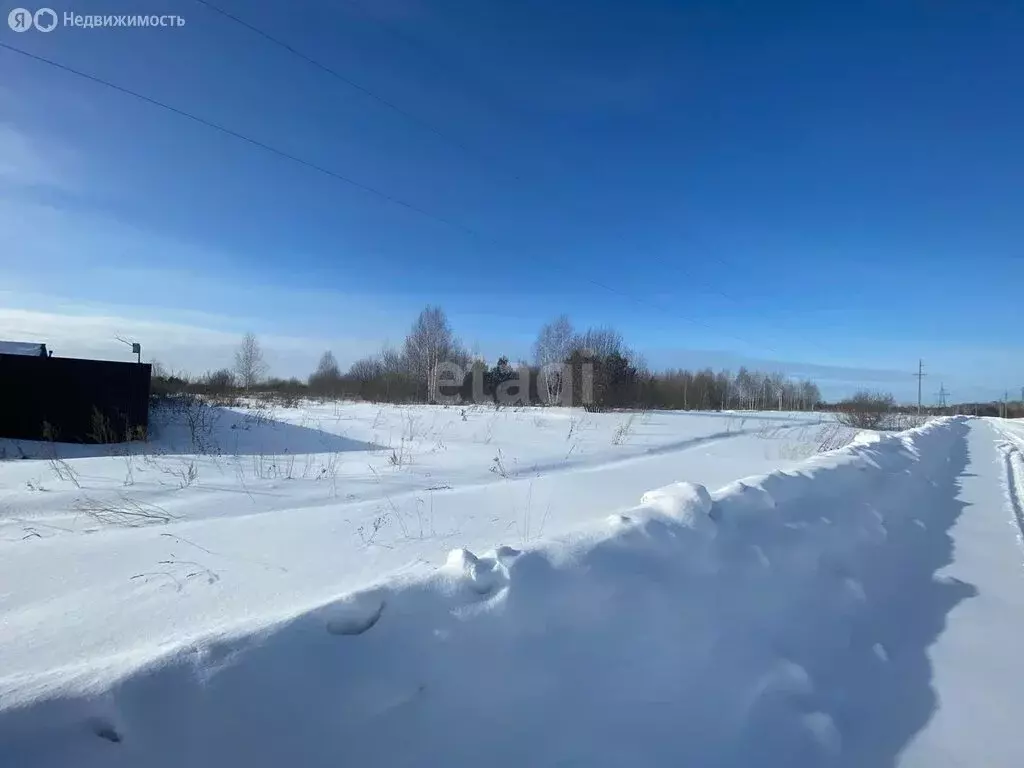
(1012, 449)
(975, 611)
(978, 669)
(861, 608)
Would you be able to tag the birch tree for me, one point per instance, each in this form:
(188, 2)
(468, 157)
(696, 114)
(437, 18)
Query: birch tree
(429, 343)
(249, 364)
(550, 352)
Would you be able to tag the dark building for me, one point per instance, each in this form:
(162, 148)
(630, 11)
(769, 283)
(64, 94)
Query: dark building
(26, 348)
(68, 399)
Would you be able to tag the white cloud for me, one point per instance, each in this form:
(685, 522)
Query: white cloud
(75, 279)
(178, 346)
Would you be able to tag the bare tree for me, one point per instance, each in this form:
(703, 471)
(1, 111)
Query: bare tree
(328, 366)
(810, 395)
(391, 361)
(553, 347)
(326, 379)
(600, 342)
(366, 369)
(867, 410)
(249, 364)
(430, 343)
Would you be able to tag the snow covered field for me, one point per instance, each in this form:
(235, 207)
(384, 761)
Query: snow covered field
(350, 584)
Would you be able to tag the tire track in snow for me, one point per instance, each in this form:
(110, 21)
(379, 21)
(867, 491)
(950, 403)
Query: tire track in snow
(523, 476)
(604, 462)
(1013, 455)
(1015, 485)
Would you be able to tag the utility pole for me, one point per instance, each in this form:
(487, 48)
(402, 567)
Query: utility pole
(136, 348)
(920, 375)
(942, 396)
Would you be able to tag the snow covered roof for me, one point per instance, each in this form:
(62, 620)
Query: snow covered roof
(28, 348)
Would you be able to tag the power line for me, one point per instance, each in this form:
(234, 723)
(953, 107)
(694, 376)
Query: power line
(337, 75)
(428, 126)
(247, 139)
(362, 89)
(349, 82)
(338, 176)
(474, 90)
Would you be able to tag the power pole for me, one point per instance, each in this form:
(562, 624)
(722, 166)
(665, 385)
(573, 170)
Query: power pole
(942, 396)
(920, 375)
(136, 348)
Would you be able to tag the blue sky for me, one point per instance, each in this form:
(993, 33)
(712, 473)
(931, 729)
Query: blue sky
(833, 186)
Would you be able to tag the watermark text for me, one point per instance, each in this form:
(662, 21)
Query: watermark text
(47, 20)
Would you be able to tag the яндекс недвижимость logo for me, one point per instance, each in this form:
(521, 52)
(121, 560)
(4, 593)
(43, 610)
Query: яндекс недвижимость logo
(22, 19)
(47, 20)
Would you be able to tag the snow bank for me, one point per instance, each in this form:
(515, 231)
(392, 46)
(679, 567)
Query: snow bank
(734, 628)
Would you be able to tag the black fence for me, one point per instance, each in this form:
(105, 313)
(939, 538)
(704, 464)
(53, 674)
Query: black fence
(71, 400)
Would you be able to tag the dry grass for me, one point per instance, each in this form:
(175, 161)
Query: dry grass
(123, 512)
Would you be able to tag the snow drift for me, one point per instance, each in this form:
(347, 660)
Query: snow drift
(769, 623)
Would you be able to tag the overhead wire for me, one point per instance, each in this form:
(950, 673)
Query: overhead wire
(333, 174)
(405, 113)
(368, 92)
(242, 137)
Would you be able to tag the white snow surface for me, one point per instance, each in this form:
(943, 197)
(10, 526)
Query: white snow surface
(418, 586)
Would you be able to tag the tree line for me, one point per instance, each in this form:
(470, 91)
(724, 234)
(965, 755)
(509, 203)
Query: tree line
(592, 367)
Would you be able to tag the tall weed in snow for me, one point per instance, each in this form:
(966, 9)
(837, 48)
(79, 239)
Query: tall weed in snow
(623, 431)
(498, 465)
(185, 472)
(123, 512)
(573, 427)
(368, 535)
(399, 457)
(201, 419)
(60, 468)
(832, 437)
(524, 524)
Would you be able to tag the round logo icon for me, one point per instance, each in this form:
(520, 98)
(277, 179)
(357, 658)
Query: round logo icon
(20, 20)
(45, 19)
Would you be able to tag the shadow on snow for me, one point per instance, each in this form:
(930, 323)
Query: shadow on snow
(219, 431)
(879, 708)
